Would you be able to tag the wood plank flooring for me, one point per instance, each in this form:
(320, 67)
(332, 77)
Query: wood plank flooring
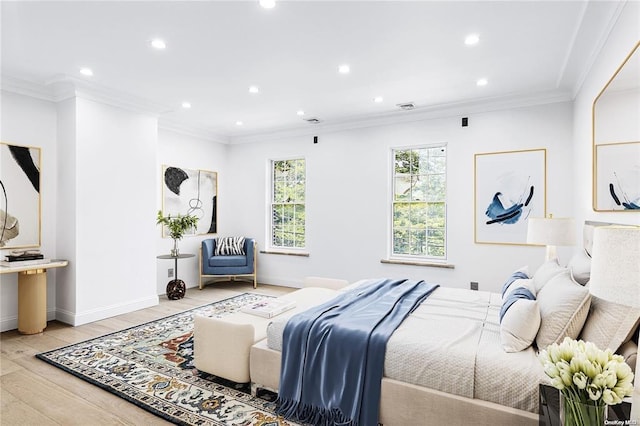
(33, 392)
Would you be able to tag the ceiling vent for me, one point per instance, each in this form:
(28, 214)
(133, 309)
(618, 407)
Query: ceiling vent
(406, 105)
(312, 120)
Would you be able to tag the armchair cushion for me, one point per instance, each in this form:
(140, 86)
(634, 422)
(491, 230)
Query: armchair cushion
(229, 246)
(220, 261)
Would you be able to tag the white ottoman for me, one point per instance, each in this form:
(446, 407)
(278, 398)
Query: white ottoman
(222, 345)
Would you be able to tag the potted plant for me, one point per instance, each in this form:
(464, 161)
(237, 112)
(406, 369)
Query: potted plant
(177, 226)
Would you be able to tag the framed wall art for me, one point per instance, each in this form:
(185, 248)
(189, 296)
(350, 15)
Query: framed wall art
(509, 188)
(193, 192)
(617, 175)
(20, 215)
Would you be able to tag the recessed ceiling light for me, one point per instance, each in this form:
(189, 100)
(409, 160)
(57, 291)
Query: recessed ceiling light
(300, 112)
(159, 44)
(86, 71)
(268, 4)
(472, 39)
(378, 99)
(482, 82)
(186, 105)
(254, 89)
(239, 123)
(344, 69)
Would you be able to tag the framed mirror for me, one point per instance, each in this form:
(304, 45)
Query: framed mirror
(616, 139)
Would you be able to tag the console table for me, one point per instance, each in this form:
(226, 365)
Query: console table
(32, 294)
(176, 288)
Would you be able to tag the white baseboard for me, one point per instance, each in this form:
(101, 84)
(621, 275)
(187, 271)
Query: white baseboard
(11, 323)
(97, 314)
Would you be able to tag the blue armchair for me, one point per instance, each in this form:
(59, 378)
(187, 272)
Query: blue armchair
(228, 266)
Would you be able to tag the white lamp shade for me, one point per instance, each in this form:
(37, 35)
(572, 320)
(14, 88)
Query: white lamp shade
(615, 267)
(551, 231)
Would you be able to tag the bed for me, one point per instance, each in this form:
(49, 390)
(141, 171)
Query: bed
(452, 361)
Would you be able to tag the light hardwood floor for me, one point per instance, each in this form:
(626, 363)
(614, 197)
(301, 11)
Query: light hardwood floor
(33, 392)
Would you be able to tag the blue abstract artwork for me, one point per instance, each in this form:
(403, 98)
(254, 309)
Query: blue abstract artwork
(509, 188)
(618, 177)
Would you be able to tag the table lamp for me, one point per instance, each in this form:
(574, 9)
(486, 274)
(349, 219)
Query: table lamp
(551, 232)
(615, 277)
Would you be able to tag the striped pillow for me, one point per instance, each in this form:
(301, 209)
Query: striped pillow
(520, 274)
(229, 246)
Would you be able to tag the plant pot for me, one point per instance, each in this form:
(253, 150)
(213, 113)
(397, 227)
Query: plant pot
(175, 251)
(573, 412)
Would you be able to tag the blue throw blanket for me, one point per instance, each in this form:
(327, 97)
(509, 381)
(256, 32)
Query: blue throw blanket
(333, 354)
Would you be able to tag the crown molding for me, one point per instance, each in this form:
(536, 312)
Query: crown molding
(430, 112)
(63, 87)
(190, 130)
(598, 46)
(26, 88)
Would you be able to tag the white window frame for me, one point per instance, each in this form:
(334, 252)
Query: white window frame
(392, 201)
(270, 203)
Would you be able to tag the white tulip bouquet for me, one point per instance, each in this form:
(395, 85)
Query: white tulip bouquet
(587, 377)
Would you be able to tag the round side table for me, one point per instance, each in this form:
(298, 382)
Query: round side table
(176, 288)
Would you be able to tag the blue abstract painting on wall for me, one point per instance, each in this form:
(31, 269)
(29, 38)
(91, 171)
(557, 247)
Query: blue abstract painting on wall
(497, 212)
(510, 187)
(617, 177)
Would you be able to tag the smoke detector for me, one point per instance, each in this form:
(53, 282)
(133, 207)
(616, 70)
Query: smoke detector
(406, 105)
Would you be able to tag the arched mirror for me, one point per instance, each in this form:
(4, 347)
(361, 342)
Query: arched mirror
(616, 140)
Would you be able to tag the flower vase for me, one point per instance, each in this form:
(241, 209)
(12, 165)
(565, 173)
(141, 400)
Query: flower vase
(574, 412)
(175, 251)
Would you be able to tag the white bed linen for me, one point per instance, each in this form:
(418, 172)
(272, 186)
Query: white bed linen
(451, 343)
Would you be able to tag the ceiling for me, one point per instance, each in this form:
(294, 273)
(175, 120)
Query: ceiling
(411, 51)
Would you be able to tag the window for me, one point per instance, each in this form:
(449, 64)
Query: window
(288, 203)
(419, 202)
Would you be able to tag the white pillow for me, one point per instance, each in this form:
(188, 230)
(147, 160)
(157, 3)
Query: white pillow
(580, 266)
(609, 324)
(520, 325)
(564, 305)
(545, 272)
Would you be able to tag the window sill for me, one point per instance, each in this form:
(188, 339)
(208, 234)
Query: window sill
(286, 253)
(418, 263)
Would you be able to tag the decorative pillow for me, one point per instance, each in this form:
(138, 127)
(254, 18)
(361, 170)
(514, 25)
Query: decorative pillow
(609, 324)
(580, 266)
(519, 320)
(564, 305)
(520, 274)
(228, 246)
(629, 352)
(545, 272)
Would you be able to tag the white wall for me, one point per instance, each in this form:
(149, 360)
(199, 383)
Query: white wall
(348, 195)
(175, 149)
(29, 121)
(622, 39)
(112, 254)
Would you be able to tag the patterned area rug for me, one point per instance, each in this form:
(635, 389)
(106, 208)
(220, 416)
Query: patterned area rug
(151, 365)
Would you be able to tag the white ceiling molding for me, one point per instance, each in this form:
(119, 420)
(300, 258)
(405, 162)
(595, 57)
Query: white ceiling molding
(64, 87)
(26, 88)
(588, 42)
(188, 130)
(417, 114)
